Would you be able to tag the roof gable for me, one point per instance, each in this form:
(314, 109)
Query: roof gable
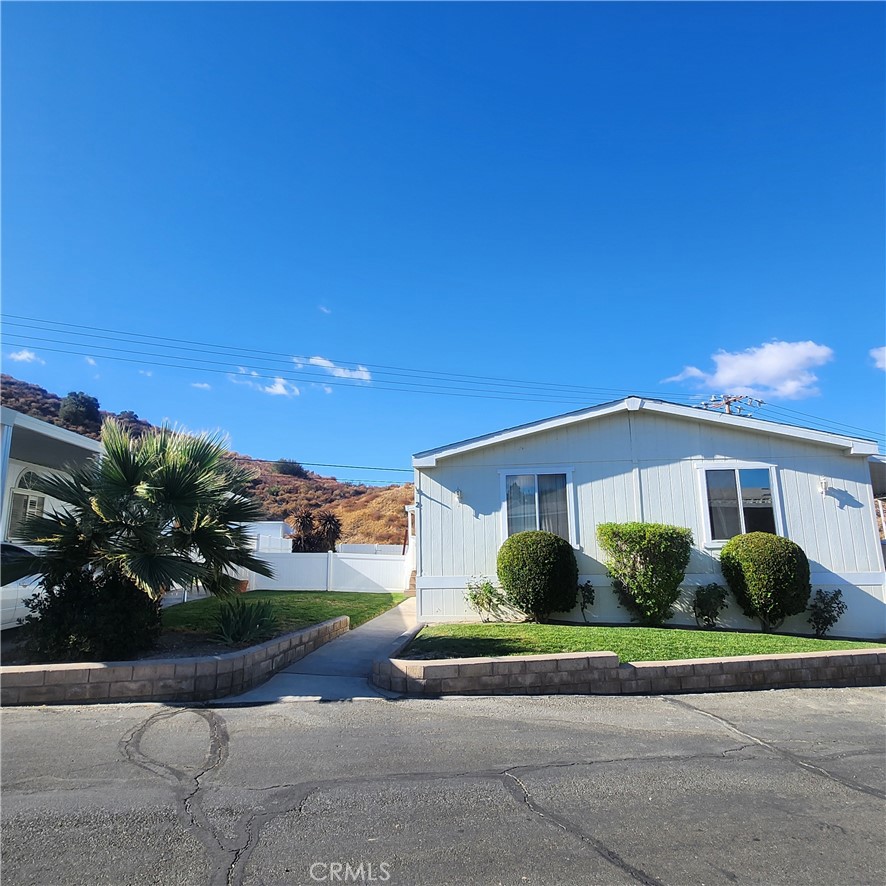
(851, 445)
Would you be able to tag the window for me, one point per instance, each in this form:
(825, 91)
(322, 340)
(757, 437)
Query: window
(739, 500)
(24, 504)
(537, 501)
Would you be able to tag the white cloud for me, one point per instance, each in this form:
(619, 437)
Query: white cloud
(145, 372)
(280, 387)
(90, 361)
(324, 309)
(250, 378)
(879, 355)
(361, 373)
(201, 385)
(776, 369)
(327, 389)
(25, 356)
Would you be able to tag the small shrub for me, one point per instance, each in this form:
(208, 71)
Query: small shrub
(240, 622)
(538, 573)
(826, 610)
(488, 600)
(647, 562)
(290, 468)
(586, 596)
(769, 576)
(707, 604)
(84, 617)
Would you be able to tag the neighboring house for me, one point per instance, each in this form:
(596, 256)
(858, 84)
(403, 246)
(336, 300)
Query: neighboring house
(649, 460)
(30, 448)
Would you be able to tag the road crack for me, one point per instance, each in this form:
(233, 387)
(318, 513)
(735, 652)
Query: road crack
(781, 752)
(520, 792)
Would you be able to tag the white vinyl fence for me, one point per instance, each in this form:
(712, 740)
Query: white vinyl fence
(334, 572)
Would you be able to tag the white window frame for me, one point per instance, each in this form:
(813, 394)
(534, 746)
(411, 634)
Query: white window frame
(710, 542)
(571, 509)
(30, 497)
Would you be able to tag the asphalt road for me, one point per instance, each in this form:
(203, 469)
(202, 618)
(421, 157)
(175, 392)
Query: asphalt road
(782, 787)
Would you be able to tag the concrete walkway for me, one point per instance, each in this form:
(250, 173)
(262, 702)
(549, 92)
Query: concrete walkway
(339, 670)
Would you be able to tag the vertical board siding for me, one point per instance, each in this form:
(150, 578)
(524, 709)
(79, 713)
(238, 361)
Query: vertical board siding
(608, 456)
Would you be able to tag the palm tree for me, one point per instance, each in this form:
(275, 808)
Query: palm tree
(303, 535)
(163, 509)
(328, 529)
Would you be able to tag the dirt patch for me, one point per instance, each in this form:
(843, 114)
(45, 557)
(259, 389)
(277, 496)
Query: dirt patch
(171, 644)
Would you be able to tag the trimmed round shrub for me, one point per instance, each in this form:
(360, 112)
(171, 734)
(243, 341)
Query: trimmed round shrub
(646, 562)
(769, 576)
(538, 573)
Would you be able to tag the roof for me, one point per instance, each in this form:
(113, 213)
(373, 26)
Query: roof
(851, 445)
(41, 443)
(878, 475)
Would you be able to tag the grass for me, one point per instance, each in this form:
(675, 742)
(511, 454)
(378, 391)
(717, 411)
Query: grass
(629, 643)
(293, 609)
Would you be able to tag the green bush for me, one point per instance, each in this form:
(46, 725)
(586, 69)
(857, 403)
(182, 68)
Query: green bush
(707, 604)
(290, 468)
(538, 573)
(825, 611)
(586, 596)
(769, 576)
(646, 562)
(486, 599)
(85, 617)
(240, 622)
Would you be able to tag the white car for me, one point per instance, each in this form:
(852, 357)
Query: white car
(13, 595)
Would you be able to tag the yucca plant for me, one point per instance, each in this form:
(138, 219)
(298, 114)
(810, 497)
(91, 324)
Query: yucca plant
(240, 622)
(163, 509)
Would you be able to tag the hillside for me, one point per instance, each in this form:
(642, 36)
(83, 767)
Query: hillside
(369, 514)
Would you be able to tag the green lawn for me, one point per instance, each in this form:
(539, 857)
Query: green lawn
(294, 609)
(629, 643)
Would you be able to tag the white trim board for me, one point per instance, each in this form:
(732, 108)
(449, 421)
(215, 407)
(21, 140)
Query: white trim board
(851, 445)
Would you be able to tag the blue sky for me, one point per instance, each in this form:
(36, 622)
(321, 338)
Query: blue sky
(344, 233)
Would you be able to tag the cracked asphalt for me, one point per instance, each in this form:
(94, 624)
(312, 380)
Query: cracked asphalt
(783, 787)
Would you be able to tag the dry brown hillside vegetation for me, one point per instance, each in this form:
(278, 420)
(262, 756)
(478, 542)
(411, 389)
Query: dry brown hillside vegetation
(368, 514)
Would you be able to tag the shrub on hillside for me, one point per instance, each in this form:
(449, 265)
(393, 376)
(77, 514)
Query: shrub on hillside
(81, 410)
(538, 573)
(646, 562)
(769, 576)
(290, 468)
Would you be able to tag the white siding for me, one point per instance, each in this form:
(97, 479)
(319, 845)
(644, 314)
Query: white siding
(646, 466)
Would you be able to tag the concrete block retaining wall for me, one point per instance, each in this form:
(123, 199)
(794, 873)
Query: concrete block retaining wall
(601, 673)
(163, 679)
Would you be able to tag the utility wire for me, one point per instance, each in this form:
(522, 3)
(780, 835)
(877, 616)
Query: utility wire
(271, 356)
(483, 387)
(245, 378)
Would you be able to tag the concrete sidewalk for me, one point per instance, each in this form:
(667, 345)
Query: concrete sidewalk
(339, 670)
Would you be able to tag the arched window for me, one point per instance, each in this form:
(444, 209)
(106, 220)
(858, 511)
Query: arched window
(25, 503)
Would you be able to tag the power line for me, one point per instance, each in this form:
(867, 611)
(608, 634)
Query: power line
(318, 464)
(294, 378)
(271, 356)
(478, 387)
